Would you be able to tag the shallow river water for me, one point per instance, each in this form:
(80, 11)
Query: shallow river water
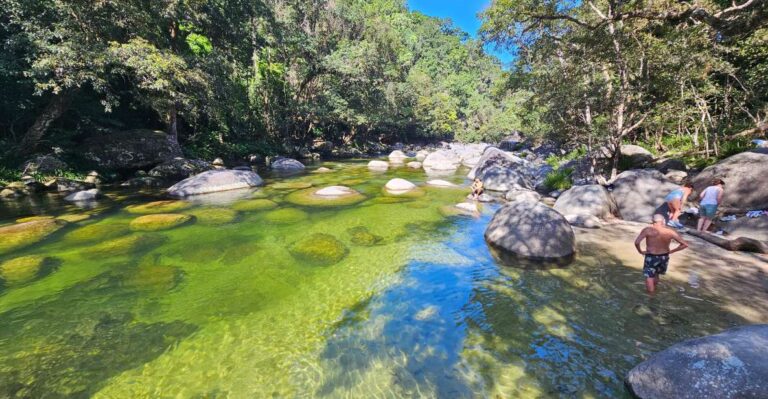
(267, 294)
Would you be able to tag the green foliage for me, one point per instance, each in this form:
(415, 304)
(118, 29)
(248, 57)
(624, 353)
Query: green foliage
(559, 179)
(8, 175)
(556, 160)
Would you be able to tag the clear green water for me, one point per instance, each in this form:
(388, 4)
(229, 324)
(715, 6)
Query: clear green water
(416, 307)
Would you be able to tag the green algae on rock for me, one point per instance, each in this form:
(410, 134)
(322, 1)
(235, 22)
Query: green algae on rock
(214, 216)
(310, 198)
(34, 219)
(21, 270)
(20, 235)
(361, 236)
(286, 216)
(158, 222)
(73, 218)
(299, 185)
(126, 245)
(155, 278)
(319, 249)
(158, 207)
(254, 205)
(97, 232)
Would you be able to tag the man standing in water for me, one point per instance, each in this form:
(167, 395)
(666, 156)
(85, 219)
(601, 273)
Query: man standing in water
(658, 239)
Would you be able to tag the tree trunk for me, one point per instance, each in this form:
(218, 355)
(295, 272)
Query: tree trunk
(53, 111)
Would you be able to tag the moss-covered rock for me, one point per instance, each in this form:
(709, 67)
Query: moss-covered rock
(155, 278)
(214, 216)
(21, 270)
(162, 221)
(297, 185)
(125, 245)
(286, 216)
(97, 232)
(34, 219)
(319, 249)
(73, 218)
(310, 198)
(362, 237)
(158, 207)
(20, 235)
(254, 205)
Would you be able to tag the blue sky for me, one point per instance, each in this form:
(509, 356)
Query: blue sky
(463, 13)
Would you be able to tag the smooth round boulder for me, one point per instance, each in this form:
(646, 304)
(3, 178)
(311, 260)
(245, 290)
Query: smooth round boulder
(637, 156)
(414, 165)
(522, 195)
(378, 165)
(493, 157)
(323, 169)
(639, 194)
(442, 160)
(335, 191)
(214, 181)
(287, 165)
(97, 232)
(179, 168)
(503, 179)
(399, 186)
(361, 236)
(85, 195)
(731, 364)
(746, 181)
(319, 249)
(441, 183)
(421, 155)
(532, 231)
(158, 222)
(589, 200)
(397, 156)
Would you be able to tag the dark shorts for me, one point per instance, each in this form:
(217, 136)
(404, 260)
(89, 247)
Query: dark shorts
(655, 265)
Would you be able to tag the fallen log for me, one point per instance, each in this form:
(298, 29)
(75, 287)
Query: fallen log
(738, 244)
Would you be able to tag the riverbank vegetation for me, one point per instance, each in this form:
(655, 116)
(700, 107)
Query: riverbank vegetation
(231, 78)
(681, 79)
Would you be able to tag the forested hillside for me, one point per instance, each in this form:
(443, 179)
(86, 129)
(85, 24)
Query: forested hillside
(232, 77)
(680, 78)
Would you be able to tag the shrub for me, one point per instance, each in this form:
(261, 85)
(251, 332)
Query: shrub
(559, 179)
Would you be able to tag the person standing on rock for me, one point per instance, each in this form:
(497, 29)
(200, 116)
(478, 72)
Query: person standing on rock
(710, 198)
(658, 239)
(675, 201)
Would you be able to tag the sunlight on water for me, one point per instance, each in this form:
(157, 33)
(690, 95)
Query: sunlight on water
(267, 293)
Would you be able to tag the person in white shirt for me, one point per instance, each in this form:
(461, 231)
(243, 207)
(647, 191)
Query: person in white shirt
(710, 198)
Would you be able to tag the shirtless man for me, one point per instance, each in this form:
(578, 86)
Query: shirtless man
(657, 238)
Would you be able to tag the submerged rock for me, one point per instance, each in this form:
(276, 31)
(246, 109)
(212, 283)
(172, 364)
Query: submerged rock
(73, 218)
(286, 216)
(157, 222)
(323, 169)
(254, 205)
(155, 278)
(215, 181)
(531, 230)
(21, 270)
(319, 249)
(325, 197)
(731, 364)
(97, 232)
(20, 235)
(298, 185)
(158, 207)
(214, 216)
(363, 237)
(125, 245)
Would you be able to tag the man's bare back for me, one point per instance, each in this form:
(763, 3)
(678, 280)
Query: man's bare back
(658, 239)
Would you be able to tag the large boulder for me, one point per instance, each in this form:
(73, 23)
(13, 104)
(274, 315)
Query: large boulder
(399, 185)
(397, 156)
(495, 158)
(590, 200)
(377, 165)
(637, 156)
(215, 181)
(180, 168)
(640, 194)
(531, 230)
(43, 164)
(287, 165)
(731, 364)
(85, 195)
(499, 178)
(756, 228)
(746, 181)
(133, 149)
(319, 249)
(442, 160)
